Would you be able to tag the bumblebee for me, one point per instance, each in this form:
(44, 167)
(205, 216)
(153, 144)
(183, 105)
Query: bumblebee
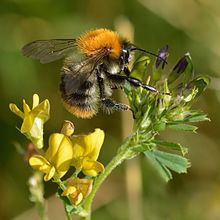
(95, 64)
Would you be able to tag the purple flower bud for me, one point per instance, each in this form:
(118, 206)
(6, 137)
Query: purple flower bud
(162, 56)
(182, 64)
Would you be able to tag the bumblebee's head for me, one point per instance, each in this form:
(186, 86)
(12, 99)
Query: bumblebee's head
(128, 48)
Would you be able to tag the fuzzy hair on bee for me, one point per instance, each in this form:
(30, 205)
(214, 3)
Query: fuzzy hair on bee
(95, 63)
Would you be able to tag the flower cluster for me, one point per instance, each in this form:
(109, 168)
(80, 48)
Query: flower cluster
(169, 108)
(64, 150)
(80, 151)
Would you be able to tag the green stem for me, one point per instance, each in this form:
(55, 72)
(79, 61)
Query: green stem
(42, 210)
(117, 160)
(68, 215)
(63, 187)
(36, 189)
(60, 183)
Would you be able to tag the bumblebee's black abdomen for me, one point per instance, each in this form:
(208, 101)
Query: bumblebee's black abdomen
(82, 102)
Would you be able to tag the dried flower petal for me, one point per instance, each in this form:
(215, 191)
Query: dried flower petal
(78, 189)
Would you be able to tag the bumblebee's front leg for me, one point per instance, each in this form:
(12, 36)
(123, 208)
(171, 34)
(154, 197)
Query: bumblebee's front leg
(115, 78)
(108, 104)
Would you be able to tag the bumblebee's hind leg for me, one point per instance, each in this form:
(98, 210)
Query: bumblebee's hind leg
(109, 105)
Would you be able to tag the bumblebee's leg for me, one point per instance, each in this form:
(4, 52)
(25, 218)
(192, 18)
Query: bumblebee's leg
(127, 71)
(133, 81)
(108, 104)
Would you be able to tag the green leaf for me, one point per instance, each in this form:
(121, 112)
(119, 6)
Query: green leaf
(139, 68)
(160, 126)
(162, 170)
(144, 147)
(164, 161)
(172, 146)
(184, 127)
(67, 204)
(197, 117)
(156, 75)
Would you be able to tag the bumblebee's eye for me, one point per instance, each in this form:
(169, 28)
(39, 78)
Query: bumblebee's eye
(125, 56)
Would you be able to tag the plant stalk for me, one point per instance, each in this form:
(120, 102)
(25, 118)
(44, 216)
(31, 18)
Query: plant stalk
(117, 160)
(36, 189)
(42, 210)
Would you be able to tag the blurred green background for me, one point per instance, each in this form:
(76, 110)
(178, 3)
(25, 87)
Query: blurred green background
(189, 25)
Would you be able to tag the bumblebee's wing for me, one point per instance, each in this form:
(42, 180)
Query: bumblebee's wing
(76, 76)
(49, 50)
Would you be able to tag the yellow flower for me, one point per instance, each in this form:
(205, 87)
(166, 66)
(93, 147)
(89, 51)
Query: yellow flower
(33, 119)
(78, 189)
(57, 159)
(86, 150)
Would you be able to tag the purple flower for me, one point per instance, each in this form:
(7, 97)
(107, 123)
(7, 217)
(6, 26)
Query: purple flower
(162, 56)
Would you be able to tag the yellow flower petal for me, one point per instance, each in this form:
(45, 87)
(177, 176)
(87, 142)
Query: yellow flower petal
(54, 144)
(27, 124)
(78, 199)
(37, 161)
(35, 101)
(69, 190)
(36, 130)
(78, 146)
(40, 163)
(50, 174)
(88, 145)
(64, 157)
(16, 110)
(45, 168)
(92, 168)
(42, 111)
(33, 129)
(55, 141)
(93, 143)
(26, 107)
(60, 153)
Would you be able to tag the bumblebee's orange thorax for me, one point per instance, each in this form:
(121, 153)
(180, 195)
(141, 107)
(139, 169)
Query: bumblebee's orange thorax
(93, 42)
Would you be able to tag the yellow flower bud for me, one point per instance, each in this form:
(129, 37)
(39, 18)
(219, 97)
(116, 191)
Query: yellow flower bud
(68, 128)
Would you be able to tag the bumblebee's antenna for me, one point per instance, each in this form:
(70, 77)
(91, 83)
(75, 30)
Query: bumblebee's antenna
(148, 52)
